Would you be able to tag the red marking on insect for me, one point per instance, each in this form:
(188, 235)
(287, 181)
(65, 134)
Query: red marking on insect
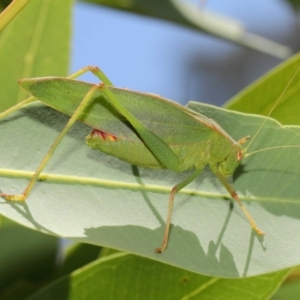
(235, 196)
(105, 136)
(239, 156)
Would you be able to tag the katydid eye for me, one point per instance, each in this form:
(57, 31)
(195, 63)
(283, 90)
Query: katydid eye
(239, 155)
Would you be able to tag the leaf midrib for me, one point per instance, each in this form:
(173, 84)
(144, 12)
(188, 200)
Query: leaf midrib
(68, 179)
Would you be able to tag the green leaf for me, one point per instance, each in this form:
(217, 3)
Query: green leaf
(260, 96)
(186, 14)
(125, 276)
(35, 43)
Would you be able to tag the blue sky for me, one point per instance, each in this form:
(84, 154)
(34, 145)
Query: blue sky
(159, 57)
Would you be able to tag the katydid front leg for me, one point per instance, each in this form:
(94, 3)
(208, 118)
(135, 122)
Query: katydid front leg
(235, 196)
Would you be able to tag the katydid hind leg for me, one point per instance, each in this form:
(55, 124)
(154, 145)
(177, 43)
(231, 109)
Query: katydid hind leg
(235, 196)
(16, 107)
(156, 144)
(175, 190)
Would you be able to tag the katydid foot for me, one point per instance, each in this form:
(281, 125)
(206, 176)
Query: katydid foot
(7, 197)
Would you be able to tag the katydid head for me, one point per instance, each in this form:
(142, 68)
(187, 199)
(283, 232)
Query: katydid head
(231, 162)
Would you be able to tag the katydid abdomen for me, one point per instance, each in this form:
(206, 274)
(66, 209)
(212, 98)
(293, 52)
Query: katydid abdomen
(138, 154)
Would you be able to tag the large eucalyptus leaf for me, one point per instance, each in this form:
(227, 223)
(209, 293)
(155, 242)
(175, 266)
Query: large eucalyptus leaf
(95, 198)
(125, 276)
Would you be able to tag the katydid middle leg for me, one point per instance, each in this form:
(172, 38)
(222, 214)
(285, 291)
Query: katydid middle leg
(175, 190)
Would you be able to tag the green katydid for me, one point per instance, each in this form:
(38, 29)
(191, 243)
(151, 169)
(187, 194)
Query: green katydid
(125, 130)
